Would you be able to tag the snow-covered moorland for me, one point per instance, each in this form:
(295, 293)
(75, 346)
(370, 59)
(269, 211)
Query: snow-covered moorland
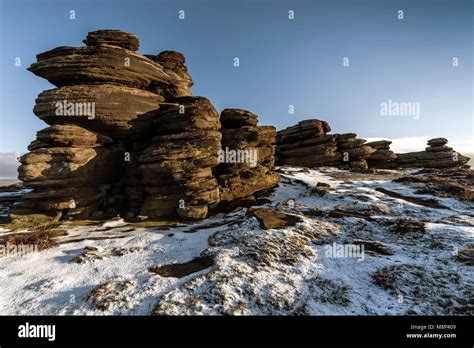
(332, 242)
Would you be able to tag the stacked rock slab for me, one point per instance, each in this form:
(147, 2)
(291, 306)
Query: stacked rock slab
(120, 112)
(247, 157)
(436, 155)
(180, 81)
(307, 144)
(100, 108)
(177, 168)
(383, 157)
(354, 151)
(69, 169)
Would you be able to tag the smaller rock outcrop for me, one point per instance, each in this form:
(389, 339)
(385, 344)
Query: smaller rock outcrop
(436, 155)
(383, 157)
(307, 144)
(354, 151)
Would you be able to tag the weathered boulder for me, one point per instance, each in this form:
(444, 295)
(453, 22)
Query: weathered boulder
(99, 64)
(69, 135)
(354, 152)
(246, 182)
(436, 155)
(236, 118)
(273, 219)
(383, 157)
(65, 166)
(115, 111)
(179, 83)
(177, 166)
(437, 142)
(248, 156)
(307, 144)
(70, 170)
(304, 129)
(187, 114)
(114, 38)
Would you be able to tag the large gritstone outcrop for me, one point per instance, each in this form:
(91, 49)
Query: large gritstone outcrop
(101, 117)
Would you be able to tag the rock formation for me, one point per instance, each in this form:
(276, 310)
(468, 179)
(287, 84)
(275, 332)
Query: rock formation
(436, 155)
(247, 156)
(177, 168)
(119, 112)
(117, 38)
(353, 150)
(307, 144)
(126, 137)
(383, 157)
(180, 81)
(69, 169)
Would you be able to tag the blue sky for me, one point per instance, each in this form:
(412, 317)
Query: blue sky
(282, 61)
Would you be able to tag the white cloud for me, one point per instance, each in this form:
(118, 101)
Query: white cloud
(412, 144)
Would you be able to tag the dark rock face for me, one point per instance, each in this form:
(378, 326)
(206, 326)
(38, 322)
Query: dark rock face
(307, 144)
(383, 157)
(70, 170)
(436, 142)
(180, 80)
(236, 118)
(177, 167)
(126, 137)
(247, 156)
(111, 37)
(354, 152)
(436, 155)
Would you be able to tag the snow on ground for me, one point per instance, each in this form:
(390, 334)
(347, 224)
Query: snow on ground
(294, 270)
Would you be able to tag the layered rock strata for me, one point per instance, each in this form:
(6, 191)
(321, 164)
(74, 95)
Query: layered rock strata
(436, 155)
(247, 157)
(101, 118)
(70, 169)
(353, 150)
(307, 144)
(179, 83)
(383, 157)
(176, 169)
